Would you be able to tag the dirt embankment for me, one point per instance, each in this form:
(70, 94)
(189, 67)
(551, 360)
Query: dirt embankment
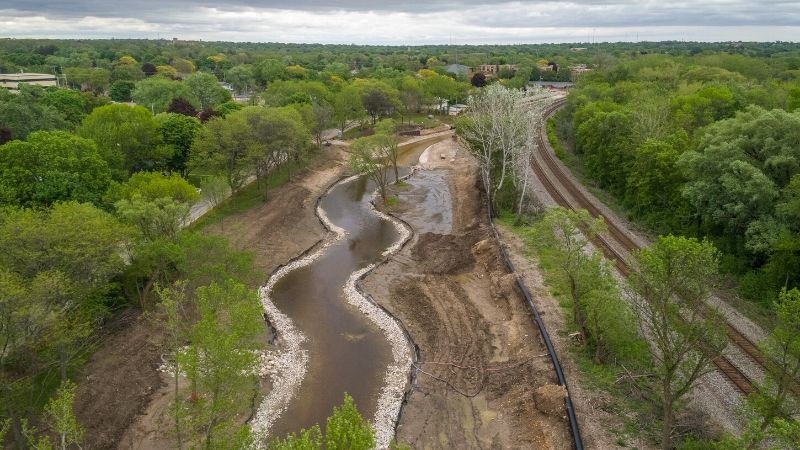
(485, 380)
(121, 394)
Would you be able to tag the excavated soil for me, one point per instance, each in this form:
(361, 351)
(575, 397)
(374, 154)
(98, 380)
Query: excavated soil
(482, 358)
(121, 394)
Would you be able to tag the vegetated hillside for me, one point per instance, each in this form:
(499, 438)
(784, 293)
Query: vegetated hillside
(705, 145)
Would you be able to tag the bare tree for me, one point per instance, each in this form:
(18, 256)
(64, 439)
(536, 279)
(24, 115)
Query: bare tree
(494, 131)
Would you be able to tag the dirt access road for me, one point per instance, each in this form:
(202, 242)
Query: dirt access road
(484, 369)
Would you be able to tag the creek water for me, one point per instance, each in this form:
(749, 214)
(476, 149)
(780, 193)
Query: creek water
(347, 353)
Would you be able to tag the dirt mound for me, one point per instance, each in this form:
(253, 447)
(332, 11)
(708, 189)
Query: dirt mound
(549, 399)
(442, 254)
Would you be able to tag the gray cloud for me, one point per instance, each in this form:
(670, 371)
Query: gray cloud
(417, 20)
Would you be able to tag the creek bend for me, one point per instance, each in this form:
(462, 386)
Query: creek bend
(342, 348)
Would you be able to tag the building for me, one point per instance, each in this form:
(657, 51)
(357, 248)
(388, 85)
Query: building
(578, 70)
(457, 69)
(552, 85)
(12, 80)
(493, 70)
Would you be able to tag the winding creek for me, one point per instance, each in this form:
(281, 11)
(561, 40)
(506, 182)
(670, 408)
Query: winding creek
(332, 339)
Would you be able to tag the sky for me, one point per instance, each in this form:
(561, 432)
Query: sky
(405, 22)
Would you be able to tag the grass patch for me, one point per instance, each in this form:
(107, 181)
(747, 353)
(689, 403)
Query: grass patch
(245, 198)
(391, 201)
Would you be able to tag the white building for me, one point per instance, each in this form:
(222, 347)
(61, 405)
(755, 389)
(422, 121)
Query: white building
(12, 80)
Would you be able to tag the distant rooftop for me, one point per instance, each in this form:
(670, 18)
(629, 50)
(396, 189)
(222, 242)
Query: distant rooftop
(456, 68)
(12, 80)
(553, 84)
(23, 77)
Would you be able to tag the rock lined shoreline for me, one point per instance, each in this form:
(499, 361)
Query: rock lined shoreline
(289, 359)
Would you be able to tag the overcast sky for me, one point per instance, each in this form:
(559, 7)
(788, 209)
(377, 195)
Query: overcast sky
(405, 21)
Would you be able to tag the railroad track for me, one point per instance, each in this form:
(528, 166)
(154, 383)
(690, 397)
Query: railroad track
(738, 378)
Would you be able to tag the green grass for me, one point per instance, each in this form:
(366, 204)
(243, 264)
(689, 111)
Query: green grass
(244, 199)
(357, 132)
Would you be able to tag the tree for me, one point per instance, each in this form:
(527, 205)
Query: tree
(95, 79)
(122, 90)
(220, 361)
(52, 166)
(60, 417)
(206, 89)
(478, 80)
(270, 70)
(174, 304)
(782, 349)
(253, 140)
(282, 93)
(63, 259)
(411, 95)
(218, 149)
(126, 72)
(444, 90)
(178, 131)
(566, 232)
(155, 185)
(739, 167)
(317, 117)
(156, 93)
(498, 133)
(347, 106)
(347, 430)
(127, 138)
(379, 100)
(183, 66)
(182, 106)
(390, 147)
(25, 113)
(310, 439)
(368, 158)
(215, 190)
(71, 104)
(241, 77)
(228, 107)
(158, 218)
(149, 69)
(671, 282)
(275, 137)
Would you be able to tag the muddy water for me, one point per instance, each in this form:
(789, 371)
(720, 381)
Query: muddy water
(346, 352)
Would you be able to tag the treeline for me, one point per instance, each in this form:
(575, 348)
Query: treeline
(705, 146)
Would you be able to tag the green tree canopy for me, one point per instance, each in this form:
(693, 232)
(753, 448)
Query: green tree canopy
(178, 131)
(127, 137)
(52, 166)
(156, 93)
(206, 89)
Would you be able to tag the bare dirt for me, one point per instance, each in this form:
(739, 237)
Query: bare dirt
(482, 359)
(122, 396)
